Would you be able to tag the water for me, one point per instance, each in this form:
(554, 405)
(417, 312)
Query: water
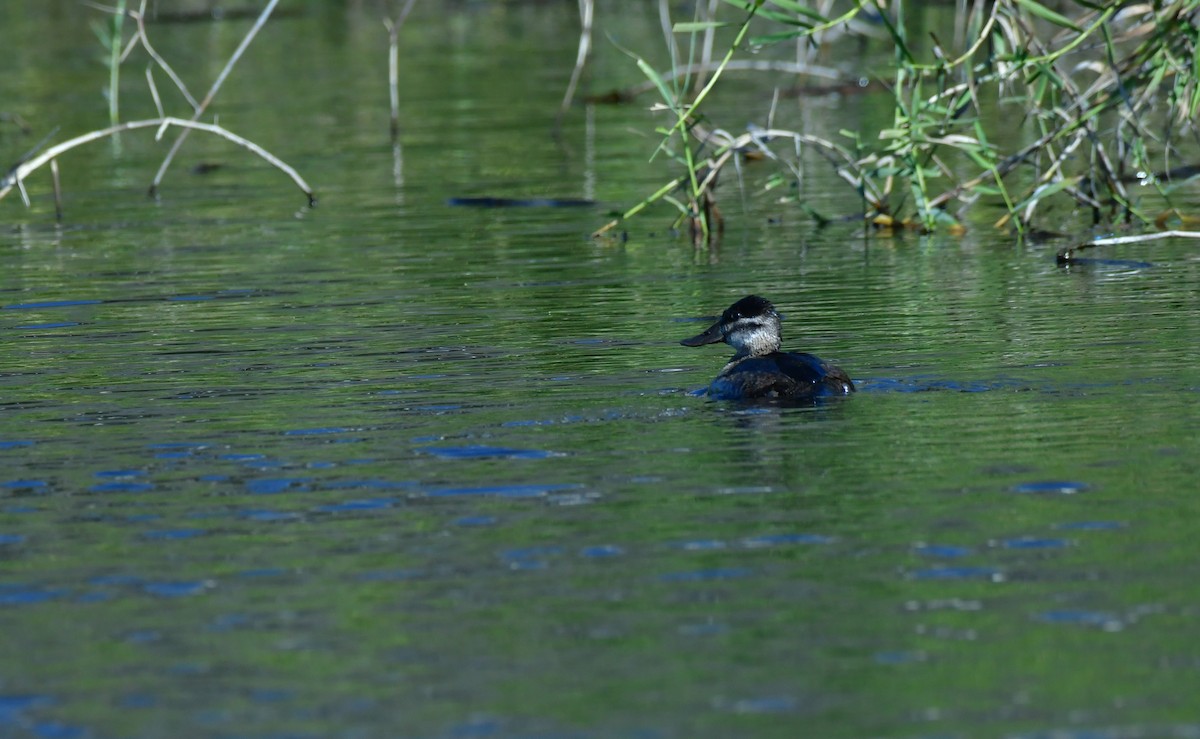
(391, 468)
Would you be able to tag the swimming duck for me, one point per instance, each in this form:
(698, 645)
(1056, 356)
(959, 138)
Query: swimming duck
(759, 369)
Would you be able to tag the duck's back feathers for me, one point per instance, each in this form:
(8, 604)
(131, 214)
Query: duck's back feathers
(781, 374)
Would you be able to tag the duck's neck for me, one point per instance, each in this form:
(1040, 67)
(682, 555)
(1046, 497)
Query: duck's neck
(755, 343)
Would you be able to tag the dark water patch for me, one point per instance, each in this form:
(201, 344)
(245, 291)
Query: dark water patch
(1117, 263)
(117, 580)
(765, 704)
(230, 622)
(13, 594)
(320, 431)
(957, 573)
(24, 485)
(438, 408)
(899, 657)
(1030, 542)
(175, 450)
(716, 573)
(701, 545)
(9, 539)
(476, 727)
(391, 575)
(367, 484)
(1091, 526)
(945, 551)
(12, 705)
(921, 384)
(502, 491)
(177, 589)
(262, 572)
(51, 304)
(174, 534)
(529, 558)
(137, 700)
(703, 629)
(268, 516)
(268, 695)
(519, 553)
(15, 444)
(1106, 621)
(370, 504)
(121, 487)
(45, 326)
(493, 202)
(122, 474)
(276, 485)
(485, 452)
(475, 521)
(602, 551)
(1003, 469)
(772, 540)
(1061, 487)
(57, 730)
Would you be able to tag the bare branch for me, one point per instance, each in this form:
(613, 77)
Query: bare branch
(18, 174)
(212, 92)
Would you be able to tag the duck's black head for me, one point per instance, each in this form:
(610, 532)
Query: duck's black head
(751, 326)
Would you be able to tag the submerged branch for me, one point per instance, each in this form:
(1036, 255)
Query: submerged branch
(212, 92)
(16, 176)
(1067, 256)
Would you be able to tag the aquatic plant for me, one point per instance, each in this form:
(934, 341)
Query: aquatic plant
(1106, 95)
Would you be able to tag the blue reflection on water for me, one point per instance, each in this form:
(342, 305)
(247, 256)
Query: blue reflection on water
(170, 534)
(23, 484)
(50, 304)
(265, 515)
(1063, 487)
(717, 573)
(956, 573)
(479, 452)
(602, 551)
(272, 486)
(370, 504)
(1026, 542)
(14, 594)
(941, 550)
(769, 540)
(502, 491)
(1090, 526)
(175, 589)
(1081, 617)
(42, 326)
(121, 487)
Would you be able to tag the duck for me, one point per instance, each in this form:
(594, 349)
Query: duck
(758, 370)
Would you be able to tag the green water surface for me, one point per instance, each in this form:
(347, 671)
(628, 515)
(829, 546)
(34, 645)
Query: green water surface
(386, 467)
